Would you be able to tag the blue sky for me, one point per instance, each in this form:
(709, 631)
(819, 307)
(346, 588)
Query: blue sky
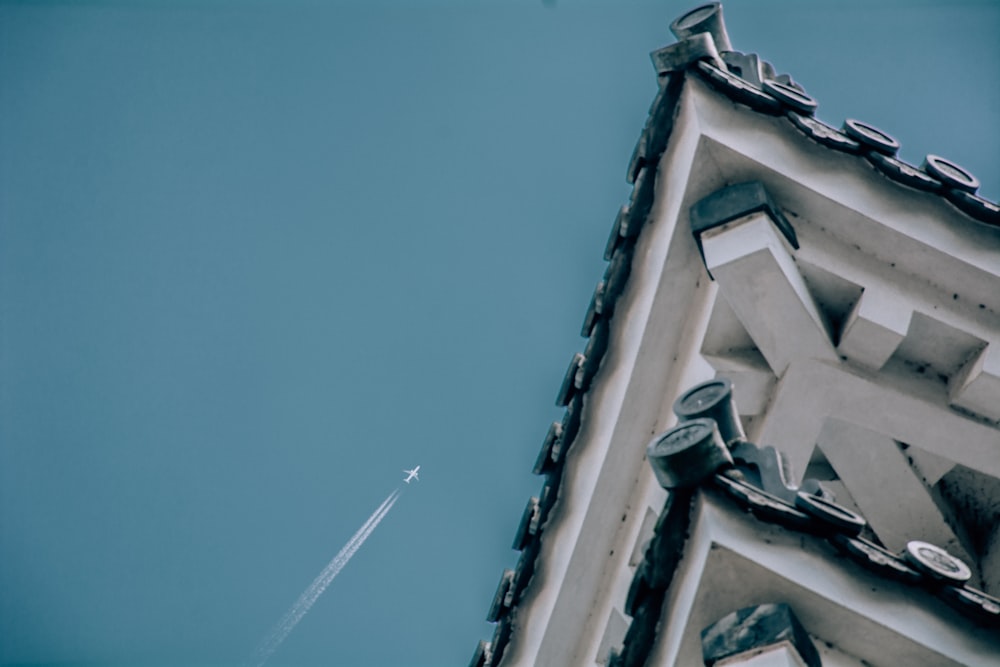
(256, 258)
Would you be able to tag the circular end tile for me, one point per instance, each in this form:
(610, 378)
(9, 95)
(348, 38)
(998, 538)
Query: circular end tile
(791, 97)
(830, 513)
(712, 399)
(702, 398)
(936, 562)
(871, 137)
(687, 454)
(695, 16)
(950, 173)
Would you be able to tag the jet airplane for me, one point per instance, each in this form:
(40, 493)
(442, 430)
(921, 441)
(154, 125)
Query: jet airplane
(411, 474)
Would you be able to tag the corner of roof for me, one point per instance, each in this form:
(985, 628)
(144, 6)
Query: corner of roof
(703, 50)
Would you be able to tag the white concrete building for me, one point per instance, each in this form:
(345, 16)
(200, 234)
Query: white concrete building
(853, 301)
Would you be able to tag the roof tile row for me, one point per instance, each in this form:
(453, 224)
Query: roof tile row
(774, 97)
(581, 371)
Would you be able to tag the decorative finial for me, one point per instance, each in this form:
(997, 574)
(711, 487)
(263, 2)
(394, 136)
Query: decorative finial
(707, 18)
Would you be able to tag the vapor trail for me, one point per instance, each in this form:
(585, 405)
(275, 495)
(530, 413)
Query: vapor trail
(320, 583)
(340, 555)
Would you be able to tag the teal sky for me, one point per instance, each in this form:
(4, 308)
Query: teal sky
(256, 258)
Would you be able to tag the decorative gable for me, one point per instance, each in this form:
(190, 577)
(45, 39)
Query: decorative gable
(853, 303)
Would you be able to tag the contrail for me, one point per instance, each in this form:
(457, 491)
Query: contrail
(320, 583)
(312, 593)
(360, 535)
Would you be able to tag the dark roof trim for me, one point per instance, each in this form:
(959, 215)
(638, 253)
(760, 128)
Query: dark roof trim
(773, 97)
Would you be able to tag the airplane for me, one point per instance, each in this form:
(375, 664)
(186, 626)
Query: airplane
(411, 474)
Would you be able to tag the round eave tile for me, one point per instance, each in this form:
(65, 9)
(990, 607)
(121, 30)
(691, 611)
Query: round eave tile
(950, 173)
(936, 562)
(871, 137)
(791, 97)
